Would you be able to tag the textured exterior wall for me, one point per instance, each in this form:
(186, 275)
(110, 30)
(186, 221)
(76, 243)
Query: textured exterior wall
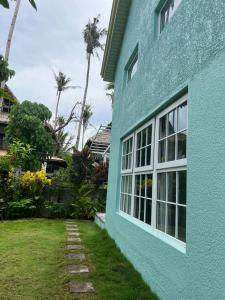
(190, 53)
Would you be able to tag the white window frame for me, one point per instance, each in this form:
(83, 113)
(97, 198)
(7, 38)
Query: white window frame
(174, 163)
(149, 167)
(127, 171)
(155, 168)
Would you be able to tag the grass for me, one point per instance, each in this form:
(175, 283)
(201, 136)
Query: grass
(33, 265)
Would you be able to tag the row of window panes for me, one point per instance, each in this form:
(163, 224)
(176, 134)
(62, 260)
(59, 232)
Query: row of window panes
(173, 135)
(143, 147)
(171, 203)
(127, 154)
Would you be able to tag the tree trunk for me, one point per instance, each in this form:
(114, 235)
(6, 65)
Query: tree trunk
(84, 102)
(10, 35)
(83, 137)
(57, 108)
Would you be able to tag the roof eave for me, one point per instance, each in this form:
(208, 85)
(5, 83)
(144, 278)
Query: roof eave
(117, 25)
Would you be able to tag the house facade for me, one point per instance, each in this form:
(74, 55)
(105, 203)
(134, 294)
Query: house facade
(166, 196)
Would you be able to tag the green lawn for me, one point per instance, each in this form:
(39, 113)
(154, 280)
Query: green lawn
(33, 265)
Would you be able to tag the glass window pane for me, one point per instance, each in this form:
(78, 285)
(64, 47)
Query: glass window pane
(162, 151)
(129, 205)
(172, 122)
(142, 212)
(131, 145)
(149, 186)
(137, 185)
(121, 202)
(143, 185)
(143, 157)
(162, 127)
(136, 207)
(138, 158)
(148, 155)
(182, 145)
(182, 189)
(149, 141)
(148, 211)
(182, 116)
(171, 148)
(139, 140)
(182, 223)
(161, 193)
(171, 177)
(144, 137)
(171, 219)
(160, 215)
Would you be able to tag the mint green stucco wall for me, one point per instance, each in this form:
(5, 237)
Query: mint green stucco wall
(189, 54)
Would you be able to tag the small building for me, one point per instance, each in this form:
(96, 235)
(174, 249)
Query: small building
(5, 109)
(166, 194)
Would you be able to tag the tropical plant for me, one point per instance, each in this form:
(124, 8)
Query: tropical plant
(5, 3)
(5, 72)
(86, 117)
(63, 139)
(92, 35)
(27, 123)
(20, 153)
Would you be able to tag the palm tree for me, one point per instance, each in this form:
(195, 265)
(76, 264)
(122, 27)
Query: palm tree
(62, 82)
(5, 3)
(92, 35)
(86, 117)
(63, 139)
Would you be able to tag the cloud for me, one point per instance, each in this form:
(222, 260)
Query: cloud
(51, 39)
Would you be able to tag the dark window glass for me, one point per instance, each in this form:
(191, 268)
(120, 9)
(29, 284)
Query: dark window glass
(148, 211)
(182, 190)
(162, 127)
(172, 122)
(182, 116)
(171, 148)
(182, 145)
(171, 177)
(148, 155)
(161, 193)
(171, 219)
(162, 151)
(160, 215)
(149, 186)
(182, 223)
(149, 135)
(136, 207)
(142, 212)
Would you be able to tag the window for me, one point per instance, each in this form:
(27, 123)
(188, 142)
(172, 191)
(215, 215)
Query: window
(167, 12)
(132, 68)
(154, 172)
(132, 65)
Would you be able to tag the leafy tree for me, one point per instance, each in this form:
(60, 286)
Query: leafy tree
(92, 35)
(5, 3)
(28, 124)
(5, 72)
(110, 89)
(62, 82)
(86, 117)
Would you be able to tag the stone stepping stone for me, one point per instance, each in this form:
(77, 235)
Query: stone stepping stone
(76, 240)
(72, 229)
(74, 247)
(76, 269)
(73, 234)
(75, 256)
(71, 226)
(79, 287)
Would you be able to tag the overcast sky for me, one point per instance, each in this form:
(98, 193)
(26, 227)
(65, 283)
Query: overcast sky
(51, 40)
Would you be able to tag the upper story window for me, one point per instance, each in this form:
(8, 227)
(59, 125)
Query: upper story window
(167, 12)
(132, 65)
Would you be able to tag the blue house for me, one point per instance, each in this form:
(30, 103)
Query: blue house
(166, 196)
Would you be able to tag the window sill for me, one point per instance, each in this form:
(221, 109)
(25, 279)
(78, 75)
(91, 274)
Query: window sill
(178, 245)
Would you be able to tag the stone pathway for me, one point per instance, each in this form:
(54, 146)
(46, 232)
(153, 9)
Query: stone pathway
(76, 287)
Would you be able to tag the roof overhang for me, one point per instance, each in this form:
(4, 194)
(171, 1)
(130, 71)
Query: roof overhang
(117, 25)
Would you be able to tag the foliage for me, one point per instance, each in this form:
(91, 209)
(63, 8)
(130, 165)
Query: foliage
(86, 117)
(85, 206)
(5, 72)
(5, 3)
(92, 35)
(63, 139)
(82, 166)
(100, 175)
(20, 153)
(27, 124)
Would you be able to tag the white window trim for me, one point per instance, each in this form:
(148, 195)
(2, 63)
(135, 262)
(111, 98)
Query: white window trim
(127, 171)
(159, 15)
(169, 164)
(150, 167)
(154, 169)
